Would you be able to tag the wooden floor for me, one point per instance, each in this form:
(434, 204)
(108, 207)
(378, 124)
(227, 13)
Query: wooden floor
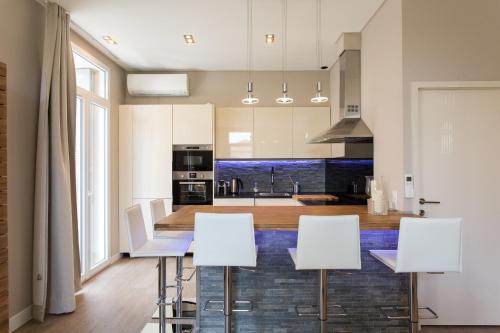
(121, 299)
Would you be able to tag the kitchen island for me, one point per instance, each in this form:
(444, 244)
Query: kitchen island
(276, 287)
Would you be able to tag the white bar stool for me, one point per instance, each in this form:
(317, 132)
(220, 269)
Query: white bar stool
(159, 212)
(225, 240)
(432, 245)
(141, 246)
(326, 242)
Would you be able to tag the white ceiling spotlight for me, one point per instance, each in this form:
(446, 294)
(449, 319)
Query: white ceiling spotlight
(317, 96)
(189, 39)
(109, 40)
(269, 38)
(250, 99)
(284, 99)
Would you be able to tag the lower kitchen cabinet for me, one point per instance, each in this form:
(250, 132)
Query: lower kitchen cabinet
(276, 202)
(234, 202)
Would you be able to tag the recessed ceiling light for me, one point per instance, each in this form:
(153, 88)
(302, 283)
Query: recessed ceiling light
(189, 39)
(269, 38)
(109, 40)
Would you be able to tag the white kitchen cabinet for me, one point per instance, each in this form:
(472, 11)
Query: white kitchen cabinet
(276, 202)
(145, 160)
(307, 123)
(234, 132)
(152, 151)
(193, 124)
(273, 132)
(234, 202)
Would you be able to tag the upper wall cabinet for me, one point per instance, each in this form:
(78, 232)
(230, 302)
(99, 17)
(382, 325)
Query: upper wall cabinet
(234, 133)
(273, 132)
(307, 123)
(193, 124)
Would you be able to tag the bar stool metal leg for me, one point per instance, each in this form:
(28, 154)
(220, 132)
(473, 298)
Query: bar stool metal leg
(228, 298)
(413, 303)
(162, 278)
(323, 300)
(178, 304)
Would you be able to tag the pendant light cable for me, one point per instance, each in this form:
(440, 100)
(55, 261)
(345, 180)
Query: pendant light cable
(249, 39)
(317, 97)
(284, 99)
(284, 38)
(249, 99)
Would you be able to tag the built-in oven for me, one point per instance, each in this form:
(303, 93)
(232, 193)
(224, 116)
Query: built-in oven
(192, 158)
(192, 188)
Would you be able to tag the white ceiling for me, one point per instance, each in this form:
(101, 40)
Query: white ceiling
(150, 32)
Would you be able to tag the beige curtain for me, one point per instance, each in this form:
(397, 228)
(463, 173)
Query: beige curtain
(56, 263)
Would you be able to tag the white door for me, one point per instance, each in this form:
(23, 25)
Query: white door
(456, 153)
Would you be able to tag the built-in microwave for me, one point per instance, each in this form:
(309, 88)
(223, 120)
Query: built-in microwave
(192, 158)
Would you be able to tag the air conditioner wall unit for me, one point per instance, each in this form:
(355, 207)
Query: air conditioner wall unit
(158, 84)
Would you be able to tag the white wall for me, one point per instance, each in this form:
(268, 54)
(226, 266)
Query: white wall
(227, 88)
(21, 36)
(426, 40)
(448, 40)
(382, 92)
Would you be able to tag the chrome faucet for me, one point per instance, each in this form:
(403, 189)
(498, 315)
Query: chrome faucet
(272, 179)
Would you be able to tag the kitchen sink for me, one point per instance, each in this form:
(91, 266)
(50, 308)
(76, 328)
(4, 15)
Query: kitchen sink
(273, 195)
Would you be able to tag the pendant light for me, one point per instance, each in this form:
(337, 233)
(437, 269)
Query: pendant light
(284, 99)
(317, 96)
(250, 99)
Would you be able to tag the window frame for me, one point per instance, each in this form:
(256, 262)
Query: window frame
(88, 98)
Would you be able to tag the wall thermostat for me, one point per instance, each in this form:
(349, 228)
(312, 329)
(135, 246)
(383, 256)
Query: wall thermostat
(409, 186)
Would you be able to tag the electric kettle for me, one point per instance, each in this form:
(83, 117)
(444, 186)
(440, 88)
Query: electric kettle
(236, 185)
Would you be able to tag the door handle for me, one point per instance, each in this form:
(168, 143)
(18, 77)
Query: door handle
(422, 201)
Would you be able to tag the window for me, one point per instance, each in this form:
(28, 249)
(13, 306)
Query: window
(92, 162)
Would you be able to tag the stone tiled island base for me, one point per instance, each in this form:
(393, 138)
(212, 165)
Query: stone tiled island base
(276, 287)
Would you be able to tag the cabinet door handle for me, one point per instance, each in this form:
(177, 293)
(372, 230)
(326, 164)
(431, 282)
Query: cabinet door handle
(422, 201)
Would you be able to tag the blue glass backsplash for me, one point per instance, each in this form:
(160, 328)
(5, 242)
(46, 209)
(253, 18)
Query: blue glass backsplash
(316, 175)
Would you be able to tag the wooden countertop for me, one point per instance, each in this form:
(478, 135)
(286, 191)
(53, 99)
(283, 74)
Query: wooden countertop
(315, 197)
(280, 217)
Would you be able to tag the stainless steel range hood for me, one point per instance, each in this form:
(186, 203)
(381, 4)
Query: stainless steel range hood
(351, 129)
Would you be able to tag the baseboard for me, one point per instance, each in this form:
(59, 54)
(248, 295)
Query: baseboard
(115, 258)
(20, 318)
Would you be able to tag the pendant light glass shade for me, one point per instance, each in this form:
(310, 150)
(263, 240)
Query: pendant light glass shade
(250, 99)
(317, 97)
(284, 99)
